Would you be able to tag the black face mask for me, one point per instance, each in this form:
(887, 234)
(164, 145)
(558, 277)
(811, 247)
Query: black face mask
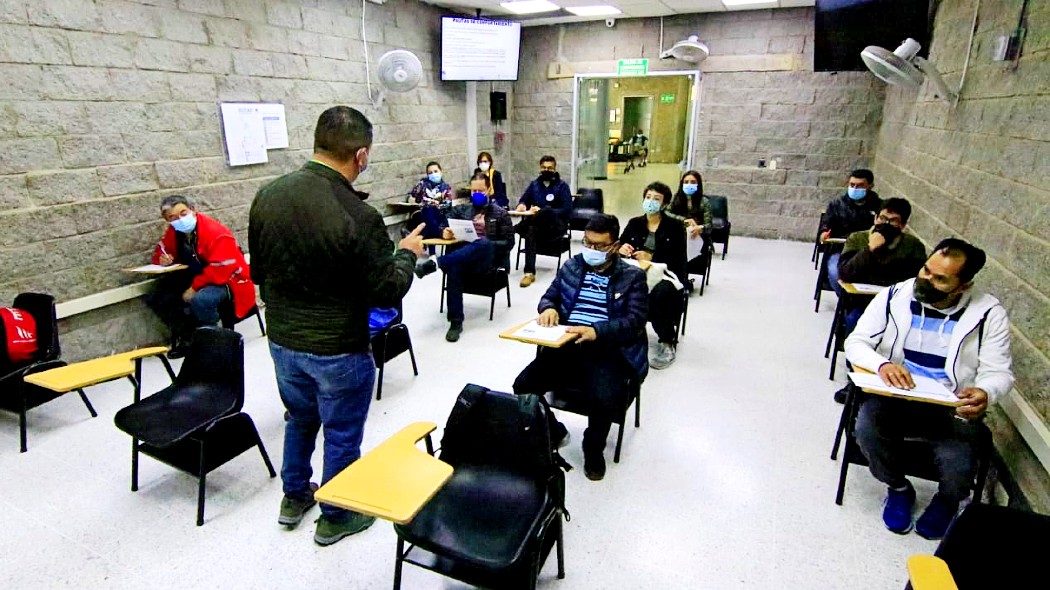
(549, 176)
(890, 232)
(926, 293)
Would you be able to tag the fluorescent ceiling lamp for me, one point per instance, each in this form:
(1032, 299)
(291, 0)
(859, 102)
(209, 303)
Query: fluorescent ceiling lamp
(603, 10)
(746, 2)
(530, 6)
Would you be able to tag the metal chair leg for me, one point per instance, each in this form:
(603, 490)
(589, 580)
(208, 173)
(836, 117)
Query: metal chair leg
(638, 410)
(843, 418)
(379, 384)
(398, 563)
(508, 293)
(492, 306)
(200, 490)
(842, 480)
(412, 354)
(87, 402)
(134, 464)
(561, 551)
(167, 367)
(22, 431)
(619, 443)
(265, 455)
(258, 317)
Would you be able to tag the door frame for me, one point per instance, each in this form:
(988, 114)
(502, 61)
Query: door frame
(693, 117)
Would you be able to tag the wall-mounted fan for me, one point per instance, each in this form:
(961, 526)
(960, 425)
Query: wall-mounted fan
(690, 50)
(903, 67)
(399, 70)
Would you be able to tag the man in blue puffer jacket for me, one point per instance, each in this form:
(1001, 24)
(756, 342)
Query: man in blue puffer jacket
(605, 301)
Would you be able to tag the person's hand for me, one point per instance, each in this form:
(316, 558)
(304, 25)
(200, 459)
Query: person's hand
(876, 240)
(643, 255)
(626, 250)
(587, 333)
(413, 242)
(534, 208)
(446, 234)
(166, 260)
(188, 294)
(695, 230)
(896, 376)
(520, 207)
(825, 235)
(975, 402)
(549, 318)
(689, 223)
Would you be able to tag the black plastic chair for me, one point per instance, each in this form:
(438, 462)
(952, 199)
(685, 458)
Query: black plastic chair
(387, 344)
(496, 520)
(570, 399)
(919, 461)
(816, 240)
(720, 224)
(554, 248)
(196, 424)
(586, 205)
(484, 284)
(16, 395)
(228, 317)
(686, 291)
(701, 265)
(823, 282)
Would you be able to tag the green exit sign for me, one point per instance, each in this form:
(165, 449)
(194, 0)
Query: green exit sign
(632, 67)
(667, 98)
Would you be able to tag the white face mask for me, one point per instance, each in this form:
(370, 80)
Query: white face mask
(484, 166)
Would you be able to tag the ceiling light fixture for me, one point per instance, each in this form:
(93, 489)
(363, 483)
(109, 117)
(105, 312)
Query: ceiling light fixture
(530, 6)
(601, 10)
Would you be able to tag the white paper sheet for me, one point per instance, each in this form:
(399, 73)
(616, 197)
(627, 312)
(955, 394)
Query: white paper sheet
(245, 133)
(693, 246)
(534, 331)
(157, 269)
(275, 125)
(463, 230)
(925, 388)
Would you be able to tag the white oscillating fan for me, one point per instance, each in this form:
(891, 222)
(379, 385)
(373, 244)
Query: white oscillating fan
(903, 67)
(399, 70)
(690, 50)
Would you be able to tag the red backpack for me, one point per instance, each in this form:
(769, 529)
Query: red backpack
(20, 335)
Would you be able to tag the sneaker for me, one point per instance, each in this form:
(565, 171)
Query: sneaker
(329, 532)
(528, 279)
(454, 330)
(426, 267)
(934, 521)
(896, 513)
(842, 394)
(665, 355)
(594, 466)
(293, 509)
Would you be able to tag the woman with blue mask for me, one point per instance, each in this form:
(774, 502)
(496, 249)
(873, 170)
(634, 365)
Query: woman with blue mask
(689, 204)
(435, 196)
(655, 237)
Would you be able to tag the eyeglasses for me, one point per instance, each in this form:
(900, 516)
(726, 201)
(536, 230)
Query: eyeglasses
(596, 246)
(894, 221)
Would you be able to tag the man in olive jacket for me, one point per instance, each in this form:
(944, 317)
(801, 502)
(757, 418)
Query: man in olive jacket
(322, 258)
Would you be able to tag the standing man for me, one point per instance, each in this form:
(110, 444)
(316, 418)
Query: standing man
(551, 201)
(322, 258)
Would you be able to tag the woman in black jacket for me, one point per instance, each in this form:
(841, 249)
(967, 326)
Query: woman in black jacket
(497, 190)
(656, 237)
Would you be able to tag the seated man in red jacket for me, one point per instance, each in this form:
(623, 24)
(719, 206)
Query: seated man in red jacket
(217, 271)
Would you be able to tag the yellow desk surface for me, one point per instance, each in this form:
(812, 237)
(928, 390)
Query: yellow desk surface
(406, 205)
(928, 572)
(849, 288)
(92, 372)
(439, 242)
(834, 241)
(508, 334)
(392, 481)
(521, 213)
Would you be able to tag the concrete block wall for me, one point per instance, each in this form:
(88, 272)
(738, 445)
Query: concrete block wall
(817, 125)
(109, 105)
(981, 171)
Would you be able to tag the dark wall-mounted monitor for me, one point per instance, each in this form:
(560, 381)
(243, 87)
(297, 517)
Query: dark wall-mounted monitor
(845, 27)
(483, 50)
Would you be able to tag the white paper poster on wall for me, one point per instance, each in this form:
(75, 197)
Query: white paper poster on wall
(275, 125)
(245, 132)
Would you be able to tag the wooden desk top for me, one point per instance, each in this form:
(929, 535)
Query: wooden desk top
(514, 213)
(405, 205)
(392, 481)
(509, 335)
(92, 372)
(439, 242)
(854, 290)
(860, 369)
(159, 270)
(834, 241)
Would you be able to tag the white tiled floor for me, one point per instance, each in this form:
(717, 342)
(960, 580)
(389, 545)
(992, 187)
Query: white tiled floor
(727, 484)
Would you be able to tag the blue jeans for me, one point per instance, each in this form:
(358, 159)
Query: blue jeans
(205, 304)
(331, 391)
(476, 256)
(833, 274)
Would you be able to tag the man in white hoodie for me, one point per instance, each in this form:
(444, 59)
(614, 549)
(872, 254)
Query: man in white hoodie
(936, 326)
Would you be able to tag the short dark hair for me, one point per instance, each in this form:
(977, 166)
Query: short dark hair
(973, 257)
(433, 163)
(481, 176)
(548, 159)
(604, 224)
(659, 187)
(172, 200)
(341, 131)
(899, 206)
(863, 173)
(487, 156)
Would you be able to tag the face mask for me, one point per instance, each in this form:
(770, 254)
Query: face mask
(548, 176)
(594, 257)
(857, 194)
(649, 206)
(925, 292)
(890, 232)
(690, 189)
(185, 224)
(479, 199)
(434, 177)
(484, 166)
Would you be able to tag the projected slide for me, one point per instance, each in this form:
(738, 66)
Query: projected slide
(479, 49)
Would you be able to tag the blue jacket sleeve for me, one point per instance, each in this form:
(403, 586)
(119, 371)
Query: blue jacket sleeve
(626, 327)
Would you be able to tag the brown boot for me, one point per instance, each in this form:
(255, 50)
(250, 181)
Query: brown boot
(528, 279)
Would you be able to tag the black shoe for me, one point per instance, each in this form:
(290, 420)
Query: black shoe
(454, 330)
(426, 267)
(178, 349)
(840, 395)
(594, 466)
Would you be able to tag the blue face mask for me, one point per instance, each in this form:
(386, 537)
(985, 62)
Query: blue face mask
(434, 177)
(479, 199)
(185, 224)
(650, 207)
(857, 194)
(594, 257)
(690, 189)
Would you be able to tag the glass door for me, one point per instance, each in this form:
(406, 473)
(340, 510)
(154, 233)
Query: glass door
(592, 131)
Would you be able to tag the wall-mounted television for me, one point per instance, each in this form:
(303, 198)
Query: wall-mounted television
(843, 28)
(482, 50)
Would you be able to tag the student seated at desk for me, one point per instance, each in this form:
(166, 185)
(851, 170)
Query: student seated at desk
(689, 204)
(938, 327)
(435, 195)
(605, 301)
(185, 300)
(551, 200)
(656, 237)
(495, 239)
(497, 188)
(852, 212)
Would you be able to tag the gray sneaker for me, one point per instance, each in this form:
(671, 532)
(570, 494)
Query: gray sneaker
(329, 532)
(665, 355)
(293, 509)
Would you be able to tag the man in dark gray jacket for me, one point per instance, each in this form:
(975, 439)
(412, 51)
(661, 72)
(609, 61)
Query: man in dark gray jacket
(322, 258)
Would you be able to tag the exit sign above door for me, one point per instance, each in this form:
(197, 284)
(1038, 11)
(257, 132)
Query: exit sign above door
(632, 67)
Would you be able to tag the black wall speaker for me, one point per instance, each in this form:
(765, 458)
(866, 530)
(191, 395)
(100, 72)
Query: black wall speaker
(498, 106)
